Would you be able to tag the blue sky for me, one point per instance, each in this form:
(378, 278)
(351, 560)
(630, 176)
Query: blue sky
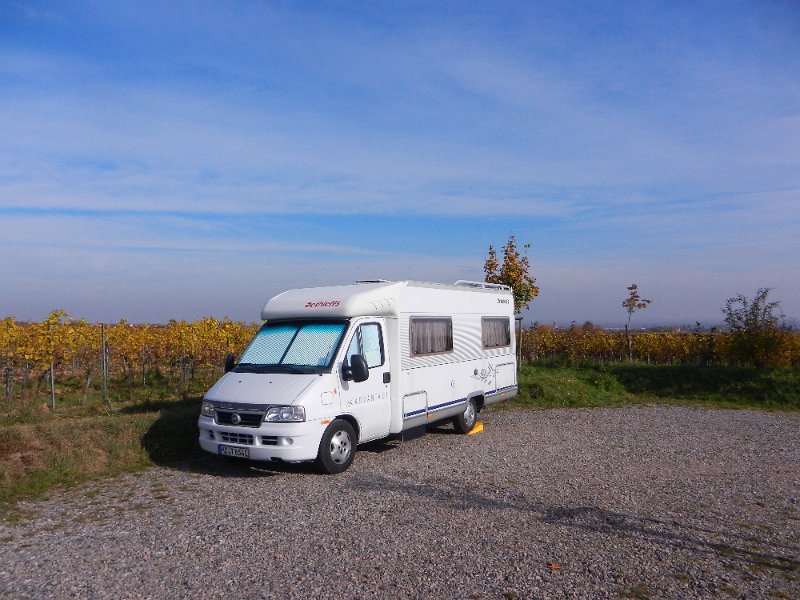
(175, 160)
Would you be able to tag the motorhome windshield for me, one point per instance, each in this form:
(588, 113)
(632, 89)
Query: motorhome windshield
(292, 346)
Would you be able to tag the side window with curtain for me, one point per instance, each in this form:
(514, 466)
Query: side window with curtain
(495, 332)
(431, 335)
(367, 342)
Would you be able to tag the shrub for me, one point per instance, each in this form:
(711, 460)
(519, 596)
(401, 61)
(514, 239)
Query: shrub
(756, 330)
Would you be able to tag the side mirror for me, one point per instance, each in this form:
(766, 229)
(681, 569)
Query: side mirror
(230, 361)
(358, 368)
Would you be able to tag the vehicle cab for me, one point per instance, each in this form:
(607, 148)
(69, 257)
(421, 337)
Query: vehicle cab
(292, 381)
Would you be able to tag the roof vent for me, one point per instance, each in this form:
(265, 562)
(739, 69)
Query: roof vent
(372, 281)
(482, 284)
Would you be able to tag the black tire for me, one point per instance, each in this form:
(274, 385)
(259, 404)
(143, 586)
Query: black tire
(464, 422)
(337, 447)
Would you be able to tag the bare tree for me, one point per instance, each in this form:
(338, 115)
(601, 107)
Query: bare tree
(631, 304)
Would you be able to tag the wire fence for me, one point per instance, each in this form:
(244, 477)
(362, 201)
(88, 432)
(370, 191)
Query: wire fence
(776, 347)
(36, 357)
(80, 357)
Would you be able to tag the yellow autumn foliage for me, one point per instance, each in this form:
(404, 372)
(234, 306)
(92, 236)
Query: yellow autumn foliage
(653, 347)
(73, 346)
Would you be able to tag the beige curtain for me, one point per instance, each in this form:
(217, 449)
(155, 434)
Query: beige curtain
(429, 336)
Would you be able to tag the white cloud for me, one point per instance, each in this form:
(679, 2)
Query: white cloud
(663, 154)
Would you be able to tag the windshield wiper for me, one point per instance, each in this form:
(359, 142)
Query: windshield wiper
(296, 368)
(245, 368)
(272, 368)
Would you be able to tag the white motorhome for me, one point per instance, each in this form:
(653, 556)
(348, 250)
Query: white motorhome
(334, 367)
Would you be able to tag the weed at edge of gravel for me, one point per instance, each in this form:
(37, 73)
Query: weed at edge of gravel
(638, 591)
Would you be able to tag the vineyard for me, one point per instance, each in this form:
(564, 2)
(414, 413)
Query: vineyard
(82, 400)
(62, 358)
(773, 348)
(66, 355)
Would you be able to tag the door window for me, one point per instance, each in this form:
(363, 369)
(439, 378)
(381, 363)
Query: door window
(368, 343)
(371, 346)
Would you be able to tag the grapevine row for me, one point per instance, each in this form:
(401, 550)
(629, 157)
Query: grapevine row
(776, 348)
(73, 348)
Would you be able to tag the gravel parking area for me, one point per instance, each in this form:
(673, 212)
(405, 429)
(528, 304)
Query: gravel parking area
(650, 502)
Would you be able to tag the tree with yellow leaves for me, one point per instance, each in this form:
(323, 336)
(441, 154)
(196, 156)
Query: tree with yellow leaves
(513, 272)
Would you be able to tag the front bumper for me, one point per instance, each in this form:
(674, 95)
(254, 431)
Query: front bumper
(287, 442)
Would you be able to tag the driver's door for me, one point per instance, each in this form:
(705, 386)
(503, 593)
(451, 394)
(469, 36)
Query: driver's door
(368, 401)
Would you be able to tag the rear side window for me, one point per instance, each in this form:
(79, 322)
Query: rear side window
(431, 335)
(495, 332)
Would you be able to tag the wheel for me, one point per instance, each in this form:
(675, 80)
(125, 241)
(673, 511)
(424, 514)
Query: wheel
(464, 422)
(337, 447)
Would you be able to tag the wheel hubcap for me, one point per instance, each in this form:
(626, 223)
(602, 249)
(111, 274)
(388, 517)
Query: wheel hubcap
(469, 415)
(340, 447)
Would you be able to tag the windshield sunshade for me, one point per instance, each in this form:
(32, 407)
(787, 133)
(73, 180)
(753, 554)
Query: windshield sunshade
(294, 344)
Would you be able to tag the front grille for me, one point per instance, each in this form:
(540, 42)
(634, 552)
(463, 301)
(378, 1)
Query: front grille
(236, 438)
(269, 440)
(249, 419)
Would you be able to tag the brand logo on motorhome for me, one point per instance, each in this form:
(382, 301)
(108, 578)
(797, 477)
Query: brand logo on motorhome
(323, 304)
(367, 399)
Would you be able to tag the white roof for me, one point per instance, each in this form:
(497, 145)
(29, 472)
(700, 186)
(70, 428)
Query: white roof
(374, 298)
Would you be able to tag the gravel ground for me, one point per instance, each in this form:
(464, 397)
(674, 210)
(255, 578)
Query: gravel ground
(634, 503)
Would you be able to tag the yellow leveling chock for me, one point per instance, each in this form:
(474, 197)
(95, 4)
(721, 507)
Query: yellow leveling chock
(476, 429)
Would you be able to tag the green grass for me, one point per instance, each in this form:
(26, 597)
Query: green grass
(123, 397)
(550, 384)
(42, 450)
(58, 451)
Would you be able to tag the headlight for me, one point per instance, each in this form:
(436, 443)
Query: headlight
(207, 409)
(285, 414)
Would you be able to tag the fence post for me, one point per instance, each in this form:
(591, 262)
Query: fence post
(52, 375)
(52, 387)
(104, 362)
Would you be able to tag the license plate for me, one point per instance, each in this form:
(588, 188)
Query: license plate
(223, 450)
